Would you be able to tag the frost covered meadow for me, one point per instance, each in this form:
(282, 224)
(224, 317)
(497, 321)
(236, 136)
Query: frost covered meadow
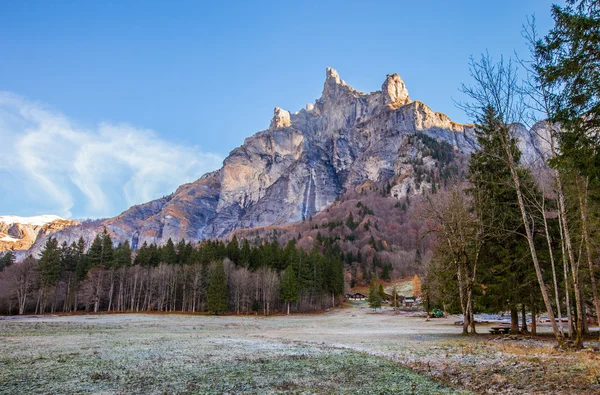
(351, 350)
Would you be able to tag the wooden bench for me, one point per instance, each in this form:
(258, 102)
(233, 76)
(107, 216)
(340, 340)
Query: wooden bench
(499, 330)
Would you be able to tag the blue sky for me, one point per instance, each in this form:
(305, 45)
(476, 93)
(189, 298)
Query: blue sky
(197, 77)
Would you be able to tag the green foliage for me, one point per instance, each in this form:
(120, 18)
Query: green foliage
(385, 273)
(255, 305)
(7, 260)
(122, 254)
(569, 65)
(374, 297)
(49, 263)
(506, 271)
(218, 294)
(69, 257)
(381, 292)
(289, 285)
(350, 222)
(168, 253)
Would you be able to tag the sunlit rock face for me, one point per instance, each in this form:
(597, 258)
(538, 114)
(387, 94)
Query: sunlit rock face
(297, 167)
(19, 233)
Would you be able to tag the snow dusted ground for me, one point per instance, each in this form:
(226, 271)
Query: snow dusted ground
(146, 353)
(352, 350)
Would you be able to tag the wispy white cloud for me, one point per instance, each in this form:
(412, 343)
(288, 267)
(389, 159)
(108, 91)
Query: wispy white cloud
(93, 172)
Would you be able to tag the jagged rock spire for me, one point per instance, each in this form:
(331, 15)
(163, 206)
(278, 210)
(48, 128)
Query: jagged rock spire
(334, 87)
(281, 118)
(332, 76)
(394, 90)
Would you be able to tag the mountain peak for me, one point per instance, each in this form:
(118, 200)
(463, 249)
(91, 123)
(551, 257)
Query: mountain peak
(281, 119)
(334, 87)
(332, 76)
(394, 90)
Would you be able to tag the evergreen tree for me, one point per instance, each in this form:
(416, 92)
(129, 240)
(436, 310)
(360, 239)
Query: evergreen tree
(107, 250)
(218, 295)
(507, 273)
(94, 254)
(49, 263)
(48, 270)
(289, 287)
(374, 298)
(245, 254)
(142, 256)
(385, 273)
(168, 253)
(233, 250)
(7, 260)
(82, 265)
(122, 255)
(350, 222)
(381, 292)
(68, 258)
(570, 55)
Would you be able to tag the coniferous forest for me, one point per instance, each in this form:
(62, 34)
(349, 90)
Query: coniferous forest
(213, 276)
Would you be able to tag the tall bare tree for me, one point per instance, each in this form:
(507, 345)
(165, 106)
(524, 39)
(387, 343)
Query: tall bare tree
(497, 91)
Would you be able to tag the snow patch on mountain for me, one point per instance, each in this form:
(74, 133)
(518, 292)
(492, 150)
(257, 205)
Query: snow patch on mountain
(38, 220)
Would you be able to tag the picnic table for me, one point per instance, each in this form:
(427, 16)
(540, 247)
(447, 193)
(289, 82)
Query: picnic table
(498, 330)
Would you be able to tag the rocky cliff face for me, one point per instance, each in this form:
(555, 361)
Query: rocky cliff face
(297, 167)
(19, 233)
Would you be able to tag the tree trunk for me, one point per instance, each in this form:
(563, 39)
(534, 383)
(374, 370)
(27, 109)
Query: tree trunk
(523, 319)
(586, 240)
(532, 248)
(551, 253)
(567, 240)
(463, 302)
(471, 318)
(112, 288)
(533, 322)
(514, 320)
(566, 276)
(67, 301)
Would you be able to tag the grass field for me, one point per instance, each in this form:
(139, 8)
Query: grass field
(352, 350)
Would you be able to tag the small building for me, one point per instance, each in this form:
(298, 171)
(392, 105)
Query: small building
(409, 302)
(356, 296)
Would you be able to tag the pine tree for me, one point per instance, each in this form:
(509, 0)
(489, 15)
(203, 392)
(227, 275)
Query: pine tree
(122, 255)
(566, 65)
(107, 249)
(7, 260)
(350, 222)
(385, 273)
(94, 254)
(506, 274)
(48, 270)
(381, 292)
(82, 265)
(49, 263)
(218, 295)
(168, 253)
(233, 250)
(289, 287)
(374, 298)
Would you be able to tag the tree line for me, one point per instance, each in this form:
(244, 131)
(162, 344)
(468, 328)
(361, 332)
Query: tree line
(524, 236)
(212, 276)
